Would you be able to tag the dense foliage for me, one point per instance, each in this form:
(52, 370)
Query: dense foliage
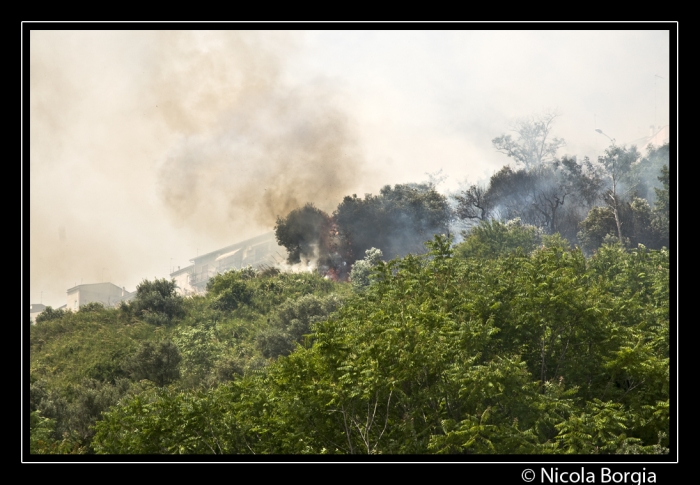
(587, 203)
(511, 341)
(83, 363)
(491, 239)
(156, 302)
(396, 221)
(305, 232)
(547, 352)
(362, 269)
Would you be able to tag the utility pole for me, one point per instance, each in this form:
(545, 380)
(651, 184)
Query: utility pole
(612, 140)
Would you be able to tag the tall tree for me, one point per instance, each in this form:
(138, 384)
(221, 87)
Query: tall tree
(534, 144)
(157, 302)
(491, 239)
(473, 204)
(397, 221)
(305, 232)
(554, 196)
(641, 226)
(662, 207)
(618, 163)
(644, 173)
(362, 269)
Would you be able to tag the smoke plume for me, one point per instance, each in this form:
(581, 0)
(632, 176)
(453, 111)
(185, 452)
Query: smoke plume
(147, 147)
(261, 148)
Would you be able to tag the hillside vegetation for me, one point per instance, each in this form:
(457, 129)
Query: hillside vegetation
(544, 331)
(447, 352)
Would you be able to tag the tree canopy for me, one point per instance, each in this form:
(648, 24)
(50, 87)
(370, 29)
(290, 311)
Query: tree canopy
(157, 302)
(304, 232)
(534, 144)
(544, 331)
(547, 353)
(397, 221)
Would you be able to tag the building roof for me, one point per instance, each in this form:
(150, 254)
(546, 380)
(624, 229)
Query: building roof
(36, 307)
(69, 290)
(228, 255)
(228, 249)
(183, 270)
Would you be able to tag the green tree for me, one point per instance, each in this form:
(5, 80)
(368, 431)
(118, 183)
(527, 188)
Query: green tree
(167, 421)
(599, 224)
(618, 163)
(662, 208)
(230, 290)
(159, 363)
(49, 404)
(491, 239)
(362, 269)
(305, 232)
(293, 321)
(635, 215)
(88, 400)
(200, 348)
(474, 204)
(40, 433)
(42, 440)
(542, 353)
(643, 175)
(663, 202)
(553, 196)
(50, 314)
(397, 221)
(156, 302)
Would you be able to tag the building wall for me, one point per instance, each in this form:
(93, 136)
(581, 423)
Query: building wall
(35, 310)
(106, 293)
(257, 252)
(231, 262)
(182, 280)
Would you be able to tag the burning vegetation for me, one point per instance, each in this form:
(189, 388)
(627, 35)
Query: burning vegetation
(398, 221)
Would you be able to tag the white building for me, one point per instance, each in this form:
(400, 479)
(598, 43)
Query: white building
(35, 310)
(182, 280)
(108, 294)
(258, 252)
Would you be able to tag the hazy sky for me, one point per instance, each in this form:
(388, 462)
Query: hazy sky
(150, 147)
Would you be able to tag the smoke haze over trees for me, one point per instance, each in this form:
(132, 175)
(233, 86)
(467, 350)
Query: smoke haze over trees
(202, 128)
(584, 201)
(542, 328)
(397, 221)
(511, 341)
(306, 232)
(152, 145)
(535, 143)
